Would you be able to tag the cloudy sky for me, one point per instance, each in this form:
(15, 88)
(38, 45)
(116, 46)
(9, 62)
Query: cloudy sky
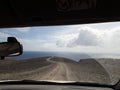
(87, 38)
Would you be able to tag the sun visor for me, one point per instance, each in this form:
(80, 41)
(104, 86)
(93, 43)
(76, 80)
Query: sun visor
(60, 12)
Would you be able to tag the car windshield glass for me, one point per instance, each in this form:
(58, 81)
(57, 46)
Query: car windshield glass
(82, 53)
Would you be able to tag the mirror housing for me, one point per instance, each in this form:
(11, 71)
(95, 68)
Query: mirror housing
(10, 48)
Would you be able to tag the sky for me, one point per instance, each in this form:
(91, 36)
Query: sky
(84, 38)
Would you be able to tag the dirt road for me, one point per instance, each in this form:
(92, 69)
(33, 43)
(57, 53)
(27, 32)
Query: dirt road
(54, 68)
(72, 72)
(60, 72)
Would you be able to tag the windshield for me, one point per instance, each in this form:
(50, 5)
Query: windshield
(82, 53)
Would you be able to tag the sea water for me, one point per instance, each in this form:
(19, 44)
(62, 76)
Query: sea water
(69, 55)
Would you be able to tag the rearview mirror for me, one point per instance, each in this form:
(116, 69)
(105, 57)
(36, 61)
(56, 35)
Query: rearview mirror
(10, 48)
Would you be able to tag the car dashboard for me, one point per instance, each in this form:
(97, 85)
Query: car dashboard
(49, 87)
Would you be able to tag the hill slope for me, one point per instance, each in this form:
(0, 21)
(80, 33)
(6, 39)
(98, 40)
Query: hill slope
(112, 66)
(54, 68)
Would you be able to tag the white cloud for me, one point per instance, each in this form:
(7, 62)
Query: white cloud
(24, 29)
(37, 45)
(88, 39)
(77, 39)
(3, 37)
(82, 36)
(112, 37)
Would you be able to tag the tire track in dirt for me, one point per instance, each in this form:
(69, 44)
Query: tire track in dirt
(60, 72)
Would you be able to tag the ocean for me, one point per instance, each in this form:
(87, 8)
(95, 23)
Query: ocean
(73, 56)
